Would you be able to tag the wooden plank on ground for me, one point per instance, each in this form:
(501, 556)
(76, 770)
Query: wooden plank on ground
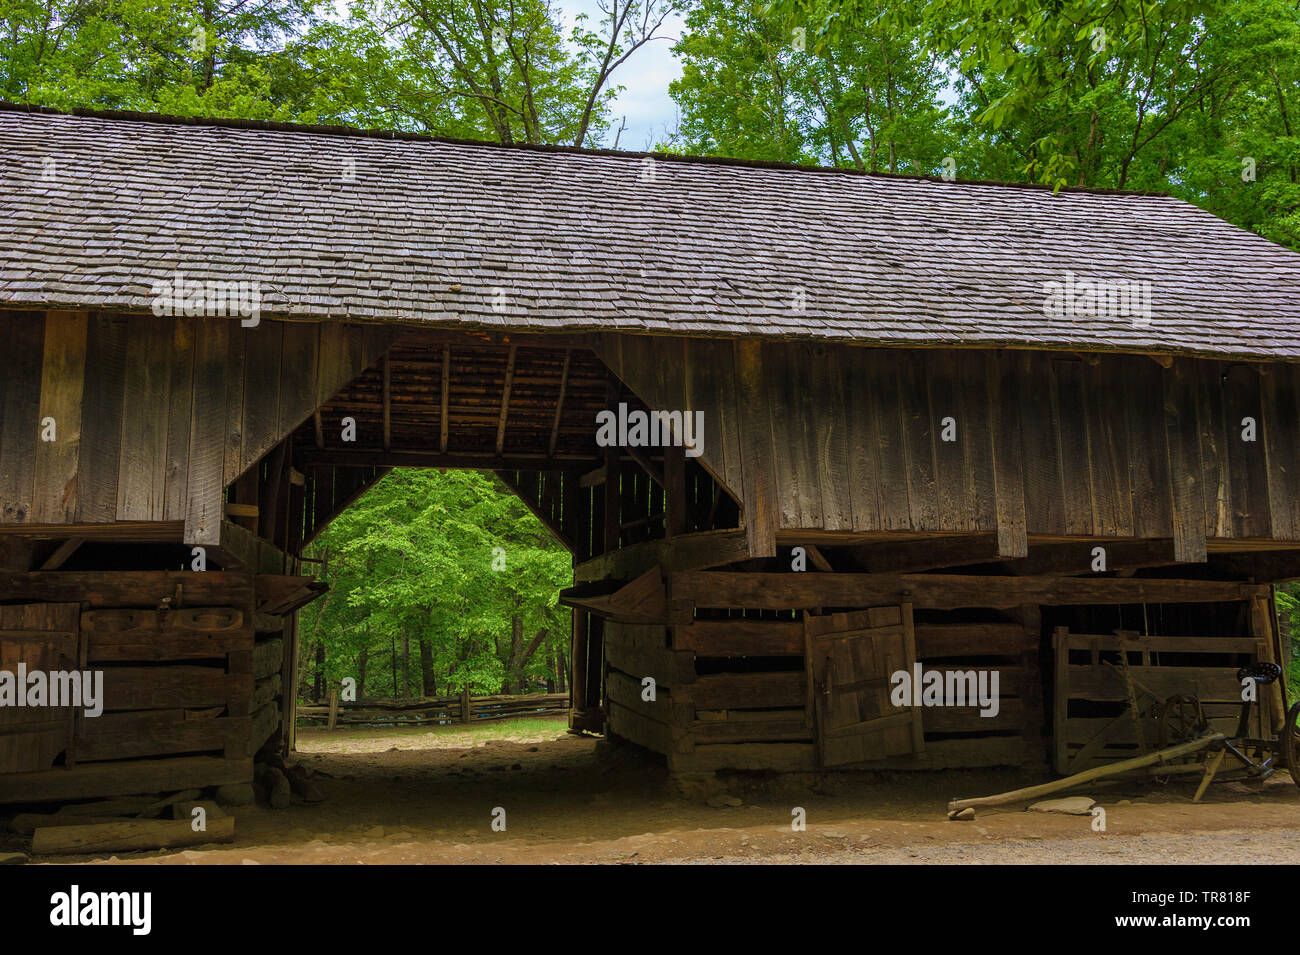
(124, 778)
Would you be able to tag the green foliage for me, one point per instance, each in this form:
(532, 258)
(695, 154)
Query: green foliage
(446, 560)
(1181, 96)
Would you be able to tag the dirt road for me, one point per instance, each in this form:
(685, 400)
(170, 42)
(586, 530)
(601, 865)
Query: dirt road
(431, 797)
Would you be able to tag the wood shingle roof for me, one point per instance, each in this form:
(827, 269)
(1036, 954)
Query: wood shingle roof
(95, 209)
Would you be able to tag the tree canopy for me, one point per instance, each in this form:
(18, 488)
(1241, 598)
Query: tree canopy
(427, 572)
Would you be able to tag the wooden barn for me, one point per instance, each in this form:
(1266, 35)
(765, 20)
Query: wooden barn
(1043, 441)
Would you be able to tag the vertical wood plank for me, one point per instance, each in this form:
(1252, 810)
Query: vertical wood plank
(1109, 452)
(1183, 444)
(1039, 435)
(180, 419)
(1005, 400)
(142, 477)
(232, 428)
(209, 438)
(952, 479)
(888, 412)
(757, 450)
(264, 350)
(21, 398)
(101, 424)
(1282, 450)
(863, 464)
(1207, 376)
(831, 440)
(1073, 448)
(1247, 460)
(1150, 481)
(298, 374)
(918, 443)
(63, 374)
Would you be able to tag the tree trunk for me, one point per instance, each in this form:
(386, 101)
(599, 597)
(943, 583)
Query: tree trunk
(406, 664)
(428, 679)
(392, 657)
(514, 672)
(361, 672)
(318, 687)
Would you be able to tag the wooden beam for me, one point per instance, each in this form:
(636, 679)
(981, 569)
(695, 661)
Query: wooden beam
(901, 557)
(643, 599)
(592, 478)
(64, 551)
(787, 591)
(123, 778)
(505, 398)
(388, 402)
(758, 466)
(319, 428)
(1076, 558)
(640, 456)
(684, 552)
(818, 558)
(559, 402)
(534, 505)
(445, 387)
(673, 481)
(515, 461)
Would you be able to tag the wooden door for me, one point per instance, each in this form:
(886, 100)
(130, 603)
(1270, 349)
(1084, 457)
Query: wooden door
(45, 637)
(850, 658)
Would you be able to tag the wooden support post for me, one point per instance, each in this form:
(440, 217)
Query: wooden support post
(466, 708)
(578, 664)
(674, 484)
(505, 399)
(613, 478)
(388, 402)
(757, 450)
(334, 709)
(445, 387)
(559, 402)
(64, 551)
(1060, 698)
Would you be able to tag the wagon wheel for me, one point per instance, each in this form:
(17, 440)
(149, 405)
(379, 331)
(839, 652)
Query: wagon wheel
(1181, 720)
(1289, 743)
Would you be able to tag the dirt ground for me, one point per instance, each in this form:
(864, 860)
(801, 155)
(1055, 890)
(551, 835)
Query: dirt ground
(404, 796)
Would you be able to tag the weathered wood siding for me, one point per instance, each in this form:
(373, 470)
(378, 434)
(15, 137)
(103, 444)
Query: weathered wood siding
(1046, 443)
(155, 417)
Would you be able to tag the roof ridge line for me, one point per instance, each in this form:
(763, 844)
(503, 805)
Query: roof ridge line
(406, 136)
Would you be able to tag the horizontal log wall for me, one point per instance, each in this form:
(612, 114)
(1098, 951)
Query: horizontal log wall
(189, 693)
(1113, 446)
(742, 719)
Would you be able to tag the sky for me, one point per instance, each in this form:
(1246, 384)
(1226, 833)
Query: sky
(646, 75)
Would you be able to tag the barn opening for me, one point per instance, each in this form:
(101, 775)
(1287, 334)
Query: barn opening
(882, 481)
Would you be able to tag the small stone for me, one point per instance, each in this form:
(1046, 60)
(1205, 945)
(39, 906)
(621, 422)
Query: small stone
(963, 815)
(516, 765)
(723, 801)
(235, 794)
(1124, 802)
(376, 832)
(13, 858)
(1068, 805)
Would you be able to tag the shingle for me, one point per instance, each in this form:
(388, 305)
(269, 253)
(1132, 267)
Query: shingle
(430, 228)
